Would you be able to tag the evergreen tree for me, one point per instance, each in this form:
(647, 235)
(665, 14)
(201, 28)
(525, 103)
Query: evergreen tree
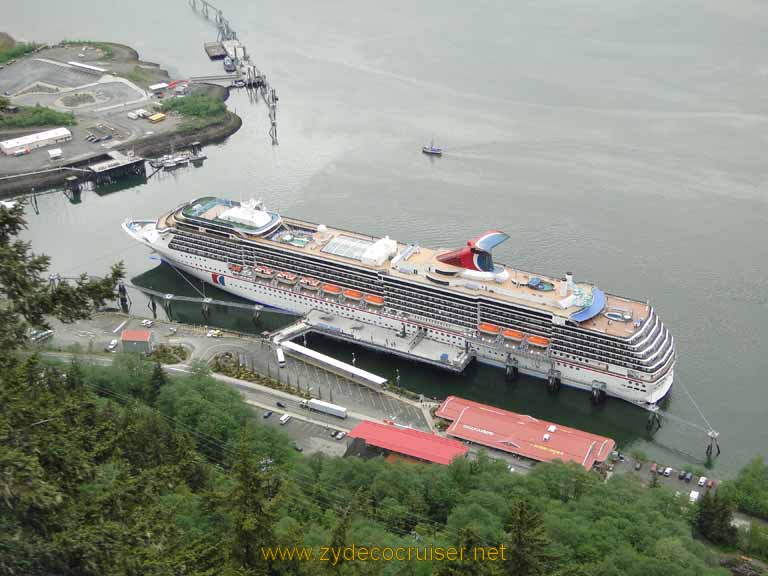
(713, 518)
(29, 296)
(155, 384)
(338, 541)
(527, 544)
(251, 514)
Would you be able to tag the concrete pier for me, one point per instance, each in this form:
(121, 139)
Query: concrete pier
(410, 346)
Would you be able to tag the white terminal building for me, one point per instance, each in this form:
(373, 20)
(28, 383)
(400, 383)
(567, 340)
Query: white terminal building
(33, 141)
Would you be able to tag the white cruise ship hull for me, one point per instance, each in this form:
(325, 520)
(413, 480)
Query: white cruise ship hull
(490, 352)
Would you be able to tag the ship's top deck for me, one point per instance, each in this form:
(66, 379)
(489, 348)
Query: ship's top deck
(419, 264)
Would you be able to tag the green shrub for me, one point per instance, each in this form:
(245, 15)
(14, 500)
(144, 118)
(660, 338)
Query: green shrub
(16, 51)
(198, 105)
(29, 116)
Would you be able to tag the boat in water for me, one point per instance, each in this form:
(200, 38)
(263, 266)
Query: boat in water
(178, 159)
(563, 331)
(432, 150)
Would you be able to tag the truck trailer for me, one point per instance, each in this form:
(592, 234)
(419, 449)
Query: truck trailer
(324, 407)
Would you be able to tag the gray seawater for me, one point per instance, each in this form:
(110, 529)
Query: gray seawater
(623, 141)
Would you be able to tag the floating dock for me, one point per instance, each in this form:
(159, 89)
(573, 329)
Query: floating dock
(117, 165)
(522, 434)
(214, 50)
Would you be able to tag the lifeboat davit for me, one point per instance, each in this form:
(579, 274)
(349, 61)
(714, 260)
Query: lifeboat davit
(350, 294)
(490, 329)
(287, 278)
(374, 300)
(310, 284)
(332, 289)
(263, 272)
(515, 335)
(539, 341)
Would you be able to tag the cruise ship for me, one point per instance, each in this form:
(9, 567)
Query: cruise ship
(565, 331)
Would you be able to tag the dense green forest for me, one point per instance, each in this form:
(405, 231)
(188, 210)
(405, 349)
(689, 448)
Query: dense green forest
(123, 470)
(119, 470)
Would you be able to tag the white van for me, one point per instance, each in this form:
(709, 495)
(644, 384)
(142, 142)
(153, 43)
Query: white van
(280, 356)
(284, 419)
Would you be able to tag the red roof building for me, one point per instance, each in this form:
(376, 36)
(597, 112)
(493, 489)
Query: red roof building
(137, 341)
(409, 442)
(521, 434)
(136, 335)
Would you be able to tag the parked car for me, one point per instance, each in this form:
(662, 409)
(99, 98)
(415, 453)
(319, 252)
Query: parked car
(267, 414)
(214, 333)
(341, 435)
(610, 467)
(112, 346)
(653, 468)
(710, 484)
(333, 433)
(638, 465)
(668, 471)
(681, 475)
(147, 323)
(703, 481)
(688, 477)
(297, 447)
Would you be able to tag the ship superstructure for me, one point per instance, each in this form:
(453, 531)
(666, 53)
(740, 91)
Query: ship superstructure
(564, 331)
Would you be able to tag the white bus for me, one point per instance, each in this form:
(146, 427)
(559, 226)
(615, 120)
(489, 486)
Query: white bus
(280, 356)
(284, 419)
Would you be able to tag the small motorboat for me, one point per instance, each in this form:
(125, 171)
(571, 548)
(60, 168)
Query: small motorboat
(432, 150)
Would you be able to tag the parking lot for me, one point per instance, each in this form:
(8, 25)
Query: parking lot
(672, 482)
(308, 436)
(100, 103)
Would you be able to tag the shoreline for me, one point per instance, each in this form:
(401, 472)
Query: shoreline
(14, 184)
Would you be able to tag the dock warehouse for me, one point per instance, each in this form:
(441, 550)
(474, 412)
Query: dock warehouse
(416, 444)
(37, 140)
(522, 434)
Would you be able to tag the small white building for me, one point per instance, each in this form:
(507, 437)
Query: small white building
(37, 140)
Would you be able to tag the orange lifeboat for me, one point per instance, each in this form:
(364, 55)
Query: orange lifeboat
(539, 341)
(490, 329)
(350, 294)
(374, 300)
(515, 335)
(332, 289)
(235, 267)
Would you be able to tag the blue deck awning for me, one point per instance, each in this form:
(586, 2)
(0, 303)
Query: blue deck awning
(598, 303)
